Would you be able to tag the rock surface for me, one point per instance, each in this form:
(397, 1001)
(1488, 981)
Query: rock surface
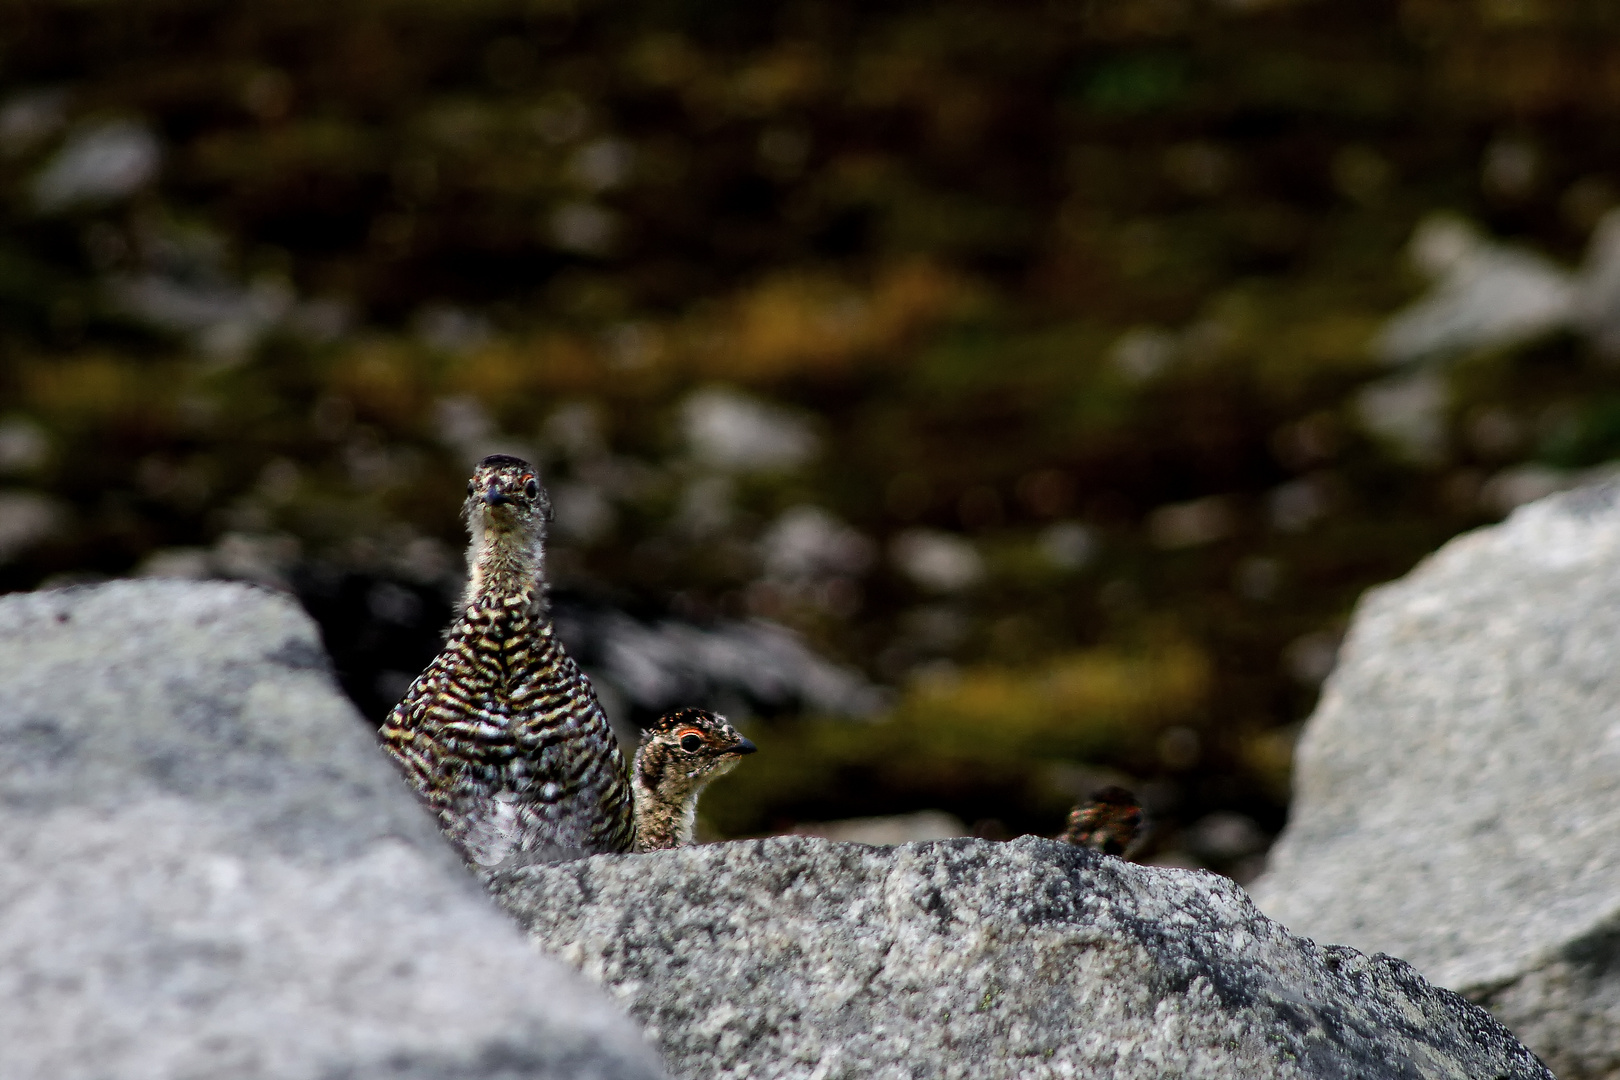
(207, 869)
(1457, 793)
(801, 957)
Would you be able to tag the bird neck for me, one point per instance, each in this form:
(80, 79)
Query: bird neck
(505, 567)
(666, 802)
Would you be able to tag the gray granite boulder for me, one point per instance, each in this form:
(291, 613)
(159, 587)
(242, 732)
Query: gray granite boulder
(207, 869)
(808, 958)
(1457, 793)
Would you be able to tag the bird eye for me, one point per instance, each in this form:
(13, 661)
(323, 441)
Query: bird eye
(691, 742)
(531, 487)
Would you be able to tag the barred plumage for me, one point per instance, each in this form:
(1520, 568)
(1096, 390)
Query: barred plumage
(502, 734)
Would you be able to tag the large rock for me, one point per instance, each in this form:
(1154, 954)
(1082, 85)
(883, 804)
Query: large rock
(207, 869)
(808, 958)
(1457, 794)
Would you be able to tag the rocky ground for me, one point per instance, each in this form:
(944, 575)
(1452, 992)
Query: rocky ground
(207, 869)
(210, 870)
(797, 957)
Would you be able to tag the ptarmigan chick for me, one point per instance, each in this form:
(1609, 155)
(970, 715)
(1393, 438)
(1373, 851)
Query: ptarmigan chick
(678, 757)
(1111, 822)
(502, 734)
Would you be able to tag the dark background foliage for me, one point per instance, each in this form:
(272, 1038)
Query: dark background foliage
(1017, 355)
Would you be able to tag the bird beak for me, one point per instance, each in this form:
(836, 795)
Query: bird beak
(493, 496)
(743, 746)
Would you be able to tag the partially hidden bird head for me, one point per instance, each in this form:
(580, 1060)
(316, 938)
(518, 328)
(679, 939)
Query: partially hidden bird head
(1111, 822)
(682, 751)
(506, 492)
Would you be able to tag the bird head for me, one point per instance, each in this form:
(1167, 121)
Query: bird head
(1111, 822)
(506, 492)
(688, 748)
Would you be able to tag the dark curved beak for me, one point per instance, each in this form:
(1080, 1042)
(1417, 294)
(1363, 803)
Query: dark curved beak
(743, 746)
(493, 497)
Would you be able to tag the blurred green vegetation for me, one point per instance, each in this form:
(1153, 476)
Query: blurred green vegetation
(1091, 287)
(979, 726)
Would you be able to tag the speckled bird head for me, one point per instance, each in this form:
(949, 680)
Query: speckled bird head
(679, 754)
(507, 510)
(505, 490)
(1110, 823)
(687, 749)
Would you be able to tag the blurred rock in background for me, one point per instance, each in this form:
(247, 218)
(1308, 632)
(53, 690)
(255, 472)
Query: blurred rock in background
(974, 396)
(1457, 796)
(896, 829)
